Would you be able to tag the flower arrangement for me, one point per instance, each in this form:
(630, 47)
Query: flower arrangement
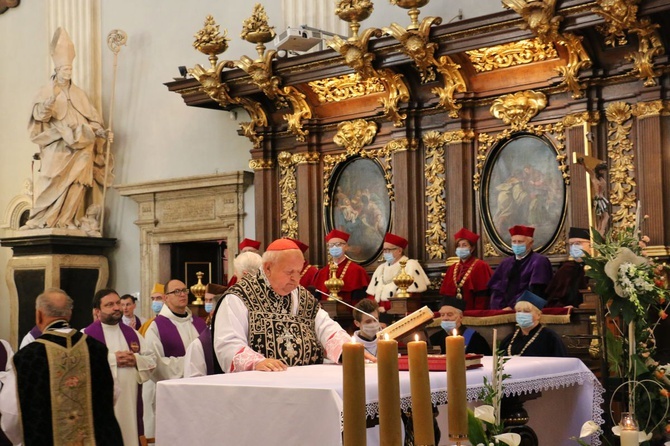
(634, 295)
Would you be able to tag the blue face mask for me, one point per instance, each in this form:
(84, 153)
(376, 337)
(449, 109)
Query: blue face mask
(519, 250)
(156, 306)
(209, 306)
(389, 257)
(576, 251)
(335, 251)
(448, 326)
(463, 253)
(524, 320)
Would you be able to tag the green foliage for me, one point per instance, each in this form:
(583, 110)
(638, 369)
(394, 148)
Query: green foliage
(476, 433)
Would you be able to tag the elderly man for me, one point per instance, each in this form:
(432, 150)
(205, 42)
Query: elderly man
(63, 382)
(355, 277)
(128, 305)
(246, 245)
(382, 286)
(130, 360)
(526, 270)
(269, 322)
(563, 290)
(451, 313)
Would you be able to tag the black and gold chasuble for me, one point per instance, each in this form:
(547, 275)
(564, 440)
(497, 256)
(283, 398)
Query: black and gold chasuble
(274, 331)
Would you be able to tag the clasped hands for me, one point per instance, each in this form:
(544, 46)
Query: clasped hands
(125, 359)
(277, 365)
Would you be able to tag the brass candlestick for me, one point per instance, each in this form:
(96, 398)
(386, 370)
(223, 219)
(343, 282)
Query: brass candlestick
(403, 281)
(334, 283)
(413, 7)
(198, 290)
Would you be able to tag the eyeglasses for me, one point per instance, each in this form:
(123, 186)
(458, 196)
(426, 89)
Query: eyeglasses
(389, 249)
(178, 291)
(335, 245)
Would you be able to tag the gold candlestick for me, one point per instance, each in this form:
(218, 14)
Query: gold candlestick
(198, 290)
(403, 281)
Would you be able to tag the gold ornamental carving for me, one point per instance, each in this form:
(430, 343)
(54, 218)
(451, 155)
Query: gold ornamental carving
(354, 135)
(649, 47)
(644, 109)
(288, 185)
(348, 86)
(511, 54)
(578, 60)
(210, 42)
(620, 16)
(436, 205)
(518, 108)
(489, 250)
(559, 247)
(261, 164)
(538, 16)
(306, 158)
(622, 167)
(579, 119)
(256, 30)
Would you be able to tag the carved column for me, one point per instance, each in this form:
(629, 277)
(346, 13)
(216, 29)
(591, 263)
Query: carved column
(577, 132)
(310, 209)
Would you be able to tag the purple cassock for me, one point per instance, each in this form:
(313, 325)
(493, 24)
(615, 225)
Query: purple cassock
(513, 277)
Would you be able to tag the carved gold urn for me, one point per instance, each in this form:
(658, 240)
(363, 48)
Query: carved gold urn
(413, 6)
(198, 290)
(334, 283)
(354, 12)
(403, 281)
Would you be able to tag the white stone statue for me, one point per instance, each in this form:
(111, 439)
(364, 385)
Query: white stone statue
(71, 138)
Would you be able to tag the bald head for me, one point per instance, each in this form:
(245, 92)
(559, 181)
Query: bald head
(53, 304)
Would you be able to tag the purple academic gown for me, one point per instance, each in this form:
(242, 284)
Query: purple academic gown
(513, 277)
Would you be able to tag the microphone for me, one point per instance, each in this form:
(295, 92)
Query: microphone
(348, 305)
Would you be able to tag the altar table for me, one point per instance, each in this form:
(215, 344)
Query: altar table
(303, 405)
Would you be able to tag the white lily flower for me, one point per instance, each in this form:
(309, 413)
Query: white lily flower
(485, 413)
(589, 428)
(616, 430)
(643, 436)
(510, 439)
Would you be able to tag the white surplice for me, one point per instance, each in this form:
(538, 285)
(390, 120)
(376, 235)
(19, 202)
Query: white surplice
(128, 379)
(382, 286)
(9, 405)
(194, 360)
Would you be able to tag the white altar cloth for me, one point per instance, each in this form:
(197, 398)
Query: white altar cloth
(303, 405)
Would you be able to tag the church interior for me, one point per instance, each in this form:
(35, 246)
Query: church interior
(416, 118)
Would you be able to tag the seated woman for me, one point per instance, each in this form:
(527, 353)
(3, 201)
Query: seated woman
(451, 312)
(530, 337)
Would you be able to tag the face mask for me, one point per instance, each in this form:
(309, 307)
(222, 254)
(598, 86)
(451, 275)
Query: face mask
(576, 251)
(524, 320)
(463, 253)
(448, 326)
(209, 307)
(156, 306)
(370, 329)
(335, 251)
(519, 250)
(389, 257)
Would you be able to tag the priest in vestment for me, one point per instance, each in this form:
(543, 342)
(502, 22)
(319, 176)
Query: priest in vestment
(468, 279)
(355, 277)
(309, 272)
(382, 286)
(63, 382)
(269, 322)
(526, 270)
(246, 245)
(130, 360)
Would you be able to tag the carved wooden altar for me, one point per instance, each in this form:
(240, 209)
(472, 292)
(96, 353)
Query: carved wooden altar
(434, 103)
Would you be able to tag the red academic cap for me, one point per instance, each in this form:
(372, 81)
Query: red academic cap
(528, 231)
(395, 240)
(249, 243)
(464, 234)
(282, 244)
(336, 233)
(300, 244)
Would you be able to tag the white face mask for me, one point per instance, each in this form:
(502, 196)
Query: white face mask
(370, 329)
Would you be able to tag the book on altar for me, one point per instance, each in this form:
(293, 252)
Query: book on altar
(410, 323)
(438, 363)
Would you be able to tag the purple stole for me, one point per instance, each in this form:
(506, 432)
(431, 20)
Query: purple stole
(95, 331)
(170, 339)
(206, 341)
(35, 332)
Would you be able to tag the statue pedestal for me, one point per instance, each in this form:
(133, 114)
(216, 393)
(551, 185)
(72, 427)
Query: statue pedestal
(75, 264)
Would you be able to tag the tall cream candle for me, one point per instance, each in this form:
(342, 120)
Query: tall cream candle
(353, 393)
(390, 433)
(457, 409)
(419, 381)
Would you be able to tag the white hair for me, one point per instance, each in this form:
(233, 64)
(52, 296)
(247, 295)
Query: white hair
(247, 263)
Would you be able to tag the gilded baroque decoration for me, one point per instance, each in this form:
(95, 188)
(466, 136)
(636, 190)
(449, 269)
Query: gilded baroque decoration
(256, 30)
(539, 17)
(518, 108)
(489, 250)
(620, 16)
(347, 86)
(559, 247)
(579, 119)
(649, 46)
(621, 172)
(511, 54)
(261, 164)
(287, 186)
(356, 55)
(578, 60)
(354, 135)
(436, 206)
(653, 108)
(211, 43)
(452, 82)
